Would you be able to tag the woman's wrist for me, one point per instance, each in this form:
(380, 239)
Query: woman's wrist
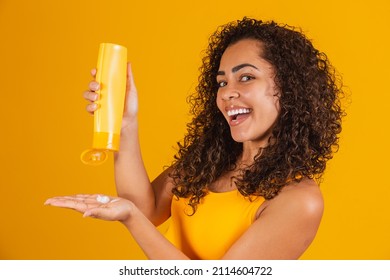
(133, 211)
(129, 124)
(129, 129)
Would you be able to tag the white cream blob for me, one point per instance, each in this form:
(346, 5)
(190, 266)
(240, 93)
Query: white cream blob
(103, 199)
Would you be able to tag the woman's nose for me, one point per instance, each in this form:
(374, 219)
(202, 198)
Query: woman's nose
(230, 94)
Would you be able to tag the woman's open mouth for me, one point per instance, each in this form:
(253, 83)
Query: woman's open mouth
(238, 115)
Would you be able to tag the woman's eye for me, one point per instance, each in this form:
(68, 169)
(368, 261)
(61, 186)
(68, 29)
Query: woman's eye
(246, 78)
(222, 84)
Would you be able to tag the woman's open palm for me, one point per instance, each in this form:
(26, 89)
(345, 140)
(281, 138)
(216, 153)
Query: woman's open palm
(96, 206)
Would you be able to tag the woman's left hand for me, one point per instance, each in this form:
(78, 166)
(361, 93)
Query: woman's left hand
(96, 205)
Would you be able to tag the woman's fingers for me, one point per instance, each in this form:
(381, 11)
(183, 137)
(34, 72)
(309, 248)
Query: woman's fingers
(90, 96)
(97, 206)
(79, 203)
(131, 100)
(91, 108)
(93, 72)
(94, 85)
(75, 204)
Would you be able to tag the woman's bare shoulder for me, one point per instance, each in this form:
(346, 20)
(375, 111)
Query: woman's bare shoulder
(301, 198)
(285, 225)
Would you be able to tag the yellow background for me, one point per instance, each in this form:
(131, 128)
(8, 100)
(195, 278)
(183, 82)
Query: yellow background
(47, 49)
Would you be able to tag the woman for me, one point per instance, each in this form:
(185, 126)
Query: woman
(244, 182)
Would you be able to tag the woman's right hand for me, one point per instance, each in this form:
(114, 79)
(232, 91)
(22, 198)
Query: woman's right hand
(131, 97)
(114, 209)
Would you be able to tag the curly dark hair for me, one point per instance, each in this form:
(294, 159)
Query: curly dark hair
(305, 135)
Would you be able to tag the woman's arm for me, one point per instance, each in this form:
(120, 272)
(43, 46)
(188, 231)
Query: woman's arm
(132, 181)
(285, 227)
(283, 230)
(151, 241)
(131, 178)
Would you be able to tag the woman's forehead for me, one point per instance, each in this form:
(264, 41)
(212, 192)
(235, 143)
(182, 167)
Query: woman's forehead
(245, 51)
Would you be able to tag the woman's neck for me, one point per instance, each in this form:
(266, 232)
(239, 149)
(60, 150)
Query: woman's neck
(249, 151)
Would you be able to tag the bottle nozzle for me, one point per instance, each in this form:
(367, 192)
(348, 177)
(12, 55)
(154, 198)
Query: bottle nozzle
(94, 156)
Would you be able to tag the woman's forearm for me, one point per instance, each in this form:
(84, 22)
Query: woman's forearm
(152, 242)
(131, 178)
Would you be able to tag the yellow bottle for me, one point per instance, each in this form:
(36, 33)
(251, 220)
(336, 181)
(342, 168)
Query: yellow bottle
(111, 75)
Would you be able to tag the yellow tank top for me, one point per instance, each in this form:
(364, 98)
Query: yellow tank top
(220, 219)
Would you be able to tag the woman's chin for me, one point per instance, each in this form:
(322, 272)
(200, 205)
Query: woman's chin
(261, 141)
(239, 138)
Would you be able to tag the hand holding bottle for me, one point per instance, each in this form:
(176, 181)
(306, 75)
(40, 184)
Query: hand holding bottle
(131, 97)
(108, 93)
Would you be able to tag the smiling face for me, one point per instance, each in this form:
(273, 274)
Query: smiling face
(247, 94)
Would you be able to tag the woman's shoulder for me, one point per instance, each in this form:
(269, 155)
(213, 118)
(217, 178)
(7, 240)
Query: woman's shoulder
(288, 223)
(302, 198)
(306, 193)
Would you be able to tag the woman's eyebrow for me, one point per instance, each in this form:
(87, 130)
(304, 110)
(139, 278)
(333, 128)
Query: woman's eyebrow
(237, 68)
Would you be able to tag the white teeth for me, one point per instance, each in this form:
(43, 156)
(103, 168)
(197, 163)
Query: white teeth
(238, 111)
